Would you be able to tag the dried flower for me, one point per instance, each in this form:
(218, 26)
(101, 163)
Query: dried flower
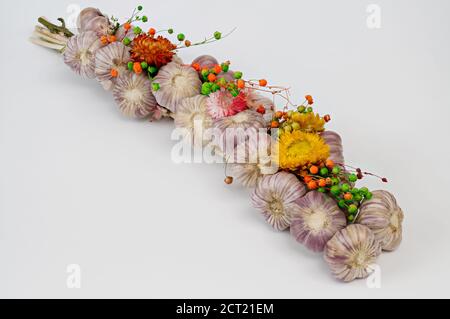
(317, 221)
(80, 53)
(275, 197)
(221, 104)
(155, 51)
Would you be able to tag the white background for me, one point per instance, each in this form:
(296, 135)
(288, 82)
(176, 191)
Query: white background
(80, 184)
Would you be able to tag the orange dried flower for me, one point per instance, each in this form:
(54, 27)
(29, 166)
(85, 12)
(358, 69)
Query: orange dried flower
(155, 51)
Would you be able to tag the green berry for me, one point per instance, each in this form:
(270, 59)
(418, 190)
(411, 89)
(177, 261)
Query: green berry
(238, 75)
(205, 72)
(301, 109)
(335, 190)
(152, 70)
(144, 65)
(130, 66)
(206, 88)
(126, 41)
(137, 30)
(357, 198)
(215, 87)
(369, 196)
(352, 178)
(144, 19)
(342, 204)
(345, 188)
(217, 35)
(181, 37)
(155, 86)
(364, 191)
(170, 31)
(222, 82)
(235, 93)
(352, 209)
(351, 218)
(354, 191)
(309, 109)
(336, 170)
(321, 190)
(140, 8)
(324, 171)
(335, 181)
(225, 67)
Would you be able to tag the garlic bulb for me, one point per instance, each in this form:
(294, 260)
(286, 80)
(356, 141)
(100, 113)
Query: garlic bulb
(317, 221)
(243, 120)
(191, 115)
(176, 82)
(206, 61)
(335, 142)
(134, 96)
(100, 25)
(275, 197)
(384, 217)
(114, 56)
(252, 160)
(87, 15)
(352, 252)
(80, 53)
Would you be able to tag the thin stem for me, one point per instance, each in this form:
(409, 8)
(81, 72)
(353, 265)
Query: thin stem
(207, 41)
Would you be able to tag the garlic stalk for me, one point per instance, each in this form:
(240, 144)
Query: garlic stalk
(52, 36)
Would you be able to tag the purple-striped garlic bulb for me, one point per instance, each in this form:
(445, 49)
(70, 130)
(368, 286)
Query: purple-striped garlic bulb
(80, 53)
(192, 116)
(206, 61)
(100, 25)
(275, 196)
(334, 141)
(134, 96)
(176, 82)
(252, 160)
(352, 253)
(114, 56)
(87, 15)
(317, 221)
(384, 217)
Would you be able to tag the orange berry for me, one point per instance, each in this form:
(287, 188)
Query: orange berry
(348, 196)
(262, 82)
(104, 40)
(329, 163)
(261, 109)
(314, 170)
(307, 179)
(137, 68)
(217, 69)
(327, 118)
(241, 84)
(279, 114)
(112, 38)
(322, 183)
(310, 99)
(212, 77)
(312, 185)
(196, 67)
(187, 43)
(152, 31)
(127, 26)
(274, 124)
(114, 73)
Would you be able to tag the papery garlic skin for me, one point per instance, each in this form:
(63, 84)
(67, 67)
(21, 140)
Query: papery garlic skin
(352, 253)
(176, 82)
(384, 217)
(80, 53)
(252, 160)
(275, 197)
(334, 141)
(206, 61)
(191, 116)
(85, 16)
(113, 56)
(134, 96)
(100, 25)
(317, 221)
